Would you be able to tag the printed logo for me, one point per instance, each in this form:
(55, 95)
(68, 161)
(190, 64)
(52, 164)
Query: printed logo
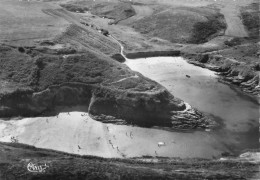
(37, 168)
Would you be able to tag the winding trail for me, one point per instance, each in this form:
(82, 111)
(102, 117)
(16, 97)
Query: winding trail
(121, 46)
(135, 76)
(188, 106)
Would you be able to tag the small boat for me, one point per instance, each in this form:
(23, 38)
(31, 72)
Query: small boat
(187, 76)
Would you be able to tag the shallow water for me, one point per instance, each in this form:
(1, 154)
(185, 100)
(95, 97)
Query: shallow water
(237, 114)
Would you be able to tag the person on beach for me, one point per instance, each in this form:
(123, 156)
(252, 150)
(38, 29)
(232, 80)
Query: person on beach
(131, 135)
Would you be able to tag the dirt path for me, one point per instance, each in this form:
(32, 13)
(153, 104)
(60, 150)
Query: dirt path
(121, 46)
(123, 79)
(235, 26)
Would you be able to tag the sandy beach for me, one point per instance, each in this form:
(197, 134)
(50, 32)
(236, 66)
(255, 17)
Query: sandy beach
(75, 132)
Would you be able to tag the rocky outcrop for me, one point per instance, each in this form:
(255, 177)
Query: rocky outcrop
(246, 76)
(158, 108)
(118, 57)
(110, 90)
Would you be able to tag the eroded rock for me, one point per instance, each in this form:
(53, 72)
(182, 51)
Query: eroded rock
(112, 92)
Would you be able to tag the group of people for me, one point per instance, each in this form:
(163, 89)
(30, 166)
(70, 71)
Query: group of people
(130, 135)
(83, 114)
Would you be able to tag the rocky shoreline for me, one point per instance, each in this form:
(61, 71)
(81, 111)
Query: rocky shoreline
(238, 74)
(244, 76)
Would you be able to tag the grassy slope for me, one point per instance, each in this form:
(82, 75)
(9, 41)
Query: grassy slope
(15, 157)
(18, 27)
(89, 62)
(39, 68)
(112, 10)
(182, 24)
(244, 53)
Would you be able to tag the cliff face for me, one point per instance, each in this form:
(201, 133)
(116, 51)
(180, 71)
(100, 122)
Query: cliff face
(231, 70)
(112, 92)
(145, 109)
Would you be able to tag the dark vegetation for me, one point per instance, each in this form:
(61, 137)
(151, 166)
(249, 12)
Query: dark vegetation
(202, 31)
(250, 17)
(116, 11)
(250, 20)
(118, 57)
(182, 25)
(40, 68)
(74, 8)
(233, 42)
(21, 49)
(47, 43)
(15, 157)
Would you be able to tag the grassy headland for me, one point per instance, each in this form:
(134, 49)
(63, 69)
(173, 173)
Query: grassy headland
(16, 157)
